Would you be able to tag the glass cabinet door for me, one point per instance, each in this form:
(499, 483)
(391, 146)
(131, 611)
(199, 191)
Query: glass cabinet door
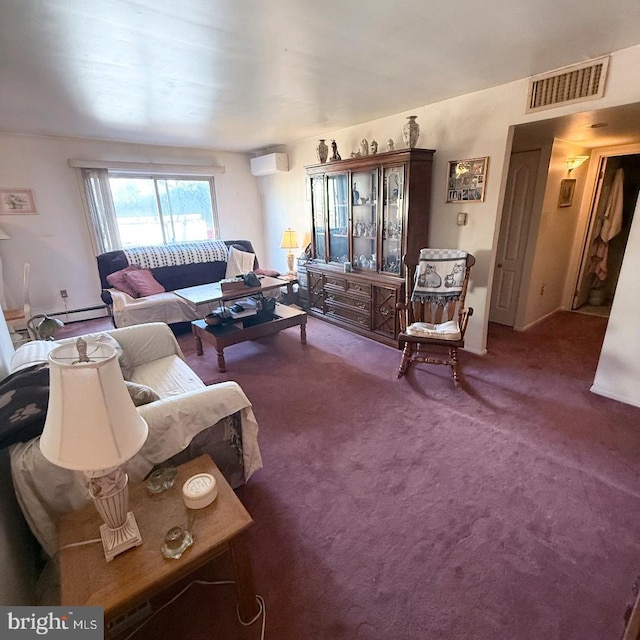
(364, 203)
(392, 219)
(338, 209)
(317, 215)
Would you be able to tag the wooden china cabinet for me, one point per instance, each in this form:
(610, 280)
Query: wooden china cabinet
(367, 212)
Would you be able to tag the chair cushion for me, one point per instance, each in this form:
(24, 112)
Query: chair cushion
(168, 376)
(118, 281)
(142, 282)
(445, 331)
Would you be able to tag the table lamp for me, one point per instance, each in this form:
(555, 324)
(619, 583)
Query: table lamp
(46, 328)
(93, 426)
(289, 241)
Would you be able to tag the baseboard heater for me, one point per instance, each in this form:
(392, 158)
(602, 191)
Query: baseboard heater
(88, 313)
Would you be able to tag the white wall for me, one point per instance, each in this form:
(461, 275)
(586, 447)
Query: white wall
(470, 126)
(554, 231)
(618, 372)
(56, 241)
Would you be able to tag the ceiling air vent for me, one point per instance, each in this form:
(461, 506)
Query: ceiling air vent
(576, 83)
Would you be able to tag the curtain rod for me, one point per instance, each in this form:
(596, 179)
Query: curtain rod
(148, 167)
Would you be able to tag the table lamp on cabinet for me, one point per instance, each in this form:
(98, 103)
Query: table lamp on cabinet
(93, 426)
(289, 241)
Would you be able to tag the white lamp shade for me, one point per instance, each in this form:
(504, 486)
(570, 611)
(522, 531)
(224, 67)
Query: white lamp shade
(92, 423)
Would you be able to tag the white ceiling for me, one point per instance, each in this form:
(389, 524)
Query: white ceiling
(243, 75)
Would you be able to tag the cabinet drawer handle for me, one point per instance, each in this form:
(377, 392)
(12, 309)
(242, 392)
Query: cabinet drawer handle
(362, 305)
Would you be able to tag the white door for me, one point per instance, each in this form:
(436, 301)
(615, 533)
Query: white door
(512, 241)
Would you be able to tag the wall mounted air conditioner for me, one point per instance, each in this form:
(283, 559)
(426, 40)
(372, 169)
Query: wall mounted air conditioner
(269, 164)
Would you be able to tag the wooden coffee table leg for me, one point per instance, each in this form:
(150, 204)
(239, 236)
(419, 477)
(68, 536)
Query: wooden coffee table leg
(221, 363)
(303, 333)
(248, 606)
(198, 340)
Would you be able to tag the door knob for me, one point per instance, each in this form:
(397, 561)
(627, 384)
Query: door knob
(499, 265)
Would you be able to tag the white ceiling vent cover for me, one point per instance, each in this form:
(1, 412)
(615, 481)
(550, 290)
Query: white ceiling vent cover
(576, 83)
(269, 164)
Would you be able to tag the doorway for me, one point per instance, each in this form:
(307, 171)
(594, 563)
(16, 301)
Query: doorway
(512, 239)
(618, 176)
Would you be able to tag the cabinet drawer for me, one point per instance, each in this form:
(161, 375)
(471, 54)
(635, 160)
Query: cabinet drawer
(338, 283)
(350, 301)
(353, 316)
(359, 287)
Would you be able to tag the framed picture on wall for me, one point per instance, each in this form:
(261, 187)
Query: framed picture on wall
(17, 201)
(466, 180)
(567, 187)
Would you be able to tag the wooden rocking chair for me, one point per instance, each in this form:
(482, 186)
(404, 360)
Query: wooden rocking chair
(432, 329)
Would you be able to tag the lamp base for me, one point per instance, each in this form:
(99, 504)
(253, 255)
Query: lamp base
(115, 541)
(290, 259)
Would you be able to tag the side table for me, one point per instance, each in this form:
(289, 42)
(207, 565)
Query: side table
(136, 575)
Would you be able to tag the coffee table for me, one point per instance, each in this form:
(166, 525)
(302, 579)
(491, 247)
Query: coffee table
(212, 292)
(138, 574)
(248, 328)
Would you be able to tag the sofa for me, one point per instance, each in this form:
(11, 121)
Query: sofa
(187, 420)
(166, 268)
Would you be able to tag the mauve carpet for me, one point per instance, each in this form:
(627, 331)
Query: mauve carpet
(405, 509)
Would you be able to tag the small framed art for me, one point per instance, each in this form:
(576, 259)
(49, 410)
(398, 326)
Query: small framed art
(466, 180)
(17, 201)
(567, 187)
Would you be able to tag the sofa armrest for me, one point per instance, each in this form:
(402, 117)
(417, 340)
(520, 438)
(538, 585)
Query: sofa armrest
(119, 299)
(174, 421)
(106, 297)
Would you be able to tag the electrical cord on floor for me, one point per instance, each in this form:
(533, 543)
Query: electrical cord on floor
(262, 611)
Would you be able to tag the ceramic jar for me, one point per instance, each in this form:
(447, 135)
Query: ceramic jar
(323, 151)
(411, 132)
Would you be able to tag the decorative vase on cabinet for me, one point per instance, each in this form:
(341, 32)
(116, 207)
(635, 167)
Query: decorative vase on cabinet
(411, 132)
(323, 151)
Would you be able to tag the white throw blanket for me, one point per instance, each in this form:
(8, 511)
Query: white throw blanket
(239, 262)
(175, 254)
